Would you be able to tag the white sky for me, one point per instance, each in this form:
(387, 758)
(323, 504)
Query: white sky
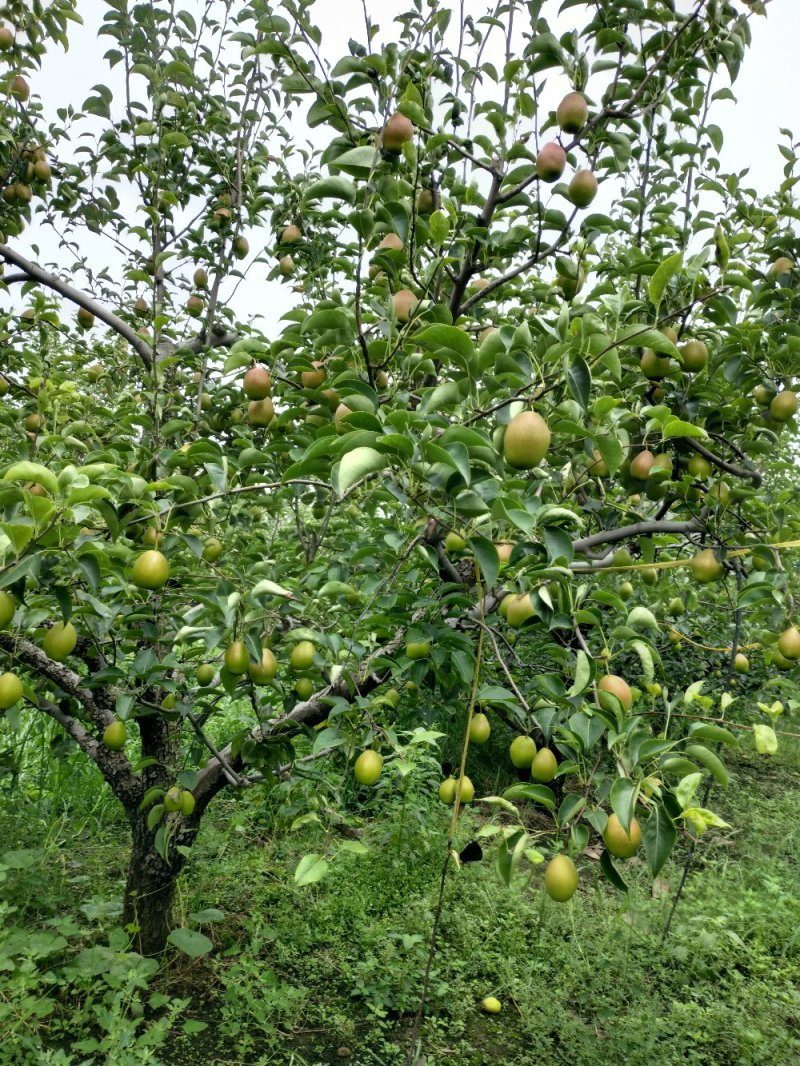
(766, 92)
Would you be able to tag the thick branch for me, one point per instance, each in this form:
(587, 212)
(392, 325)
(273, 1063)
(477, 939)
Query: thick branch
(637, 529)
(51, 281)
(67, 680)
(743, 472)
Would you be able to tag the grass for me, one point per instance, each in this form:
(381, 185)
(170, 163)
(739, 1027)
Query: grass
(331, 972)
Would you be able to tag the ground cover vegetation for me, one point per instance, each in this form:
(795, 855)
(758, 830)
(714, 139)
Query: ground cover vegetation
(470, 579)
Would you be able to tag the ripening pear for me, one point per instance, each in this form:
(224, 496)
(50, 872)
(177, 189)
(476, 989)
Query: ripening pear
(783, 405)
(550, 162)
(694, 356)
(620, 844)
(583, 188)
(572, 113)
(398, 131)
(706, 567)
(615, 686)
(526, 440)
(789, 643)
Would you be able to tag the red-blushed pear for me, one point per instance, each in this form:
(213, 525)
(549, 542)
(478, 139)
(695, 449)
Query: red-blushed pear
(526, 440)
(641, 465)
(341, 412)
(10, 690)
(6, 39)
(550, 162)
(614, 685)
(404, 304)
(286, 265)
(572, 113)
(620, 844)
(260, 412)
(694, 356)
(368, 767)
(561, 878)
(312, 379)
(256, 383)
(654, 366)
(150, 571)
(583, 188)
(783, 406)
(392, 242)
(194, 306)
(706, 567)
(19, 88)
(789, 643)
(398, 131)
(291, 234)
(504, 551)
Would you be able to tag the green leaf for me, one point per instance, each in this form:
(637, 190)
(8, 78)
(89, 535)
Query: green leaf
(358, 162)
(333, 187)
(716, 734)
(611, 873)
(269, 588)
(583, 673)
(311, 868)
(659, 839)
(623, 800)
(190, 942)
(488, 559)
(537, 793)
(710, 760)
(661, 278)
(648, 338)
(356, 465)
(766, 739)
(579, 380)
(35, 472)
(674, 427)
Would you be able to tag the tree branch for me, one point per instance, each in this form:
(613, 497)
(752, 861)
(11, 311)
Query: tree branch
(50, 281)
(636, 529)
(730, 468)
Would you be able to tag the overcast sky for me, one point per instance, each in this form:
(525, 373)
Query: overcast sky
(766, 91)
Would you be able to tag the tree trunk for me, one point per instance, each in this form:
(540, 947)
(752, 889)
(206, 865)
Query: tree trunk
(150, 889)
